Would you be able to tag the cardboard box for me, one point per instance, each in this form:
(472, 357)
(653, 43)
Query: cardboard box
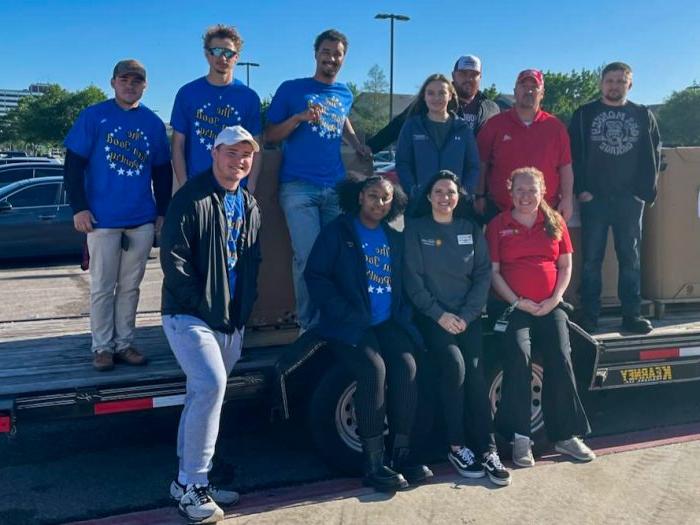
(276, 304)
(671, 248)
(609, 270)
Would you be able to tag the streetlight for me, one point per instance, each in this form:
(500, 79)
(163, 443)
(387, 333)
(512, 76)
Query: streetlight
(248, 65)
(392, 17)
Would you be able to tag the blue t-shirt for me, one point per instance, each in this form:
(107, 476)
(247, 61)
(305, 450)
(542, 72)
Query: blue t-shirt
(202, 110)
(233, 204)
(312, 150)
(378, 262)
(121, 147)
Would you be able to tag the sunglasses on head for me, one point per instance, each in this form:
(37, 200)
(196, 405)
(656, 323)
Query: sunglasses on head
(226, 52)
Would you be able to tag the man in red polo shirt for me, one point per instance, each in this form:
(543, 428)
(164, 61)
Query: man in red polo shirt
(524, 136)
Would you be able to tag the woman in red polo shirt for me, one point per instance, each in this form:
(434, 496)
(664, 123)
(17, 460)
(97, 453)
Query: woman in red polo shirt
(531, 267)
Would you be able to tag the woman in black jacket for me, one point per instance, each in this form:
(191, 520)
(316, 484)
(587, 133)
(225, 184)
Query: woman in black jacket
(354, 276)
(448, 275)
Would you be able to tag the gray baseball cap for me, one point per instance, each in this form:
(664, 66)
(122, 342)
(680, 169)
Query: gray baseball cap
(471, 62)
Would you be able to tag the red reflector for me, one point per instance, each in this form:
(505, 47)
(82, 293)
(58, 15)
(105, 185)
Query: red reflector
(5, 423)
(658, 353)
(112, 407)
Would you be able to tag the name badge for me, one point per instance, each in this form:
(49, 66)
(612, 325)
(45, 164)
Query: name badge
(465, 238)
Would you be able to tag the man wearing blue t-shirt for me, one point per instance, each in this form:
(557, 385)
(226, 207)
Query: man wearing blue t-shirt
(208, 104)
(311, 116)
(119, 181)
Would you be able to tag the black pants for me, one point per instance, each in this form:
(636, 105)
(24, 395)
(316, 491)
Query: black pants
(564, 416)
(384, 356)
(458, 378)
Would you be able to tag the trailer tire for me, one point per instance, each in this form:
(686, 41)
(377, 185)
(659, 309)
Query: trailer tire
(538, 435)
(332, 421)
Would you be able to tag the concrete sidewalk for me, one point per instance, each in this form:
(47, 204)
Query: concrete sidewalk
(654, 485)
(640, 481)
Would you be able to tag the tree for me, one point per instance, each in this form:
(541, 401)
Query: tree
(46, 119)
(564, 92)
(370, 111)
(679, 118)
(490, 92)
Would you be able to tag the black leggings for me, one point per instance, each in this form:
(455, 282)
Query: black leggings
(383, 356)
(457, 361)
(564, 415)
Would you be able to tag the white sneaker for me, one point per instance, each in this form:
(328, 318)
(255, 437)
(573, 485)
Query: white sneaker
(197, 506)
(575, 448)
(522, 452)
(220, 496)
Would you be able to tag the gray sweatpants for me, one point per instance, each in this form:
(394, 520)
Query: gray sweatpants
(207, 358)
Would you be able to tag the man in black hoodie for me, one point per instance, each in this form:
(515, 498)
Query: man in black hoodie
(474, 107)
(615, 146)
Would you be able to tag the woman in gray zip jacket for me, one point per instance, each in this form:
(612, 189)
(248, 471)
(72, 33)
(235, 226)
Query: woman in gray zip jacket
(434, 139)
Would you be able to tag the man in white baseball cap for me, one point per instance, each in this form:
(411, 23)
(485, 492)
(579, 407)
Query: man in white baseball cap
(209, 287)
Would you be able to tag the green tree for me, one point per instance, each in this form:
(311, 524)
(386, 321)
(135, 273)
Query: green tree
(370, 110)
(490, 92)
(46, 119)
(679, 118)
(564, 92)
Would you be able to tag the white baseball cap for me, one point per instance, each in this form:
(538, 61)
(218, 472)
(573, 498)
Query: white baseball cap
(471, 62)
(233, 135)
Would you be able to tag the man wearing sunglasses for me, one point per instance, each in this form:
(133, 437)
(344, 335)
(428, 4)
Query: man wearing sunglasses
(311, 116)
(208, 104)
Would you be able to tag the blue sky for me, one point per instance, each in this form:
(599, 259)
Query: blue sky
(76, 43)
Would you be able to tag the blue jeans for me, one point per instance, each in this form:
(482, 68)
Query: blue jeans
(307, 208)
(207, 358)
(624, 214)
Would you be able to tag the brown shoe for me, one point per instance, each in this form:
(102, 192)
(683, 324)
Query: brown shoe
(130, 356)
(103, 361)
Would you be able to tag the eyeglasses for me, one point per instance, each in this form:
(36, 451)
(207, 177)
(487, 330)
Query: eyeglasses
(226, 52)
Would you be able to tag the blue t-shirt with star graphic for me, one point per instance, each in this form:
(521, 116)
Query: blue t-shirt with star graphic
(121, 147)
(375, 247)
(233, 205)
(201, 110)
(312, 151)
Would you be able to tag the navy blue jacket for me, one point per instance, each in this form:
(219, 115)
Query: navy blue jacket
(336, 277)
(418, 158)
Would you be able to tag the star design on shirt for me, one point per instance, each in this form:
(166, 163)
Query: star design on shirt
(137, 172)
(140, 166)
(201, 140)
(129, 173)
(107, 157)
(370, 289)
(197, 132)
(209, 147)
(120, 171)
(314, 128)
(388, 288)
(196, 125)
(112, 165)
(106, 148)
(380, 289)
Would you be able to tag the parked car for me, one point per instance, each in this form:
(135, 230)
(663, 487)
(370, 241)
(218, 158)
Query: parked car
(13, 153)
(36, 220)
(29, 170)
(25, 160)
(387, 169)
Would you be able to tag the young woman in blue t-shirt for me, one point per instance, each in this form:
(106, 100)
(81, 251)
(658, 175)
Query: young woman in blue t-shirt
(354, 277)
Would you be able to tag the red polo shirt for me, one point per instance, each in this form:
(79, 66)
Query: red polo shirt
(528, 256)
(505, 143)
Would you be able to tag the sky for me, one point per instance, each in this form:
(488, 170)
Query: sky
(76, 43)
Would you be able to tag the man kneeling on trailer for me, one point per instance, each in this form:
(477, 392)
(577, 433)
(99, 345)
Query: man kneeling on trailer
(209, 287)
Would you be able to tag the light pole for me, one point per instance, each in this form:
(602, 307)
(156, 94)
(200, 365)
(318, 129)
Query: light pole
(248, 65)
(391, 17)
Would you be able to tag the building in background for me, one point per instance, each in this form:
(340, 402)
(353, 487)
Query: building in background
(9, 98)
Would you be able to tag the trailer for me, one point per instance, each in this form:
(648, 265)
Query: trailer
(46, 371)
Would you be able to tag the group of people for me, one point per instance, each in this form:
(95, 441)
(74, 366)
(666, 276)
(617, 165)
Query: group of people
(401, 310)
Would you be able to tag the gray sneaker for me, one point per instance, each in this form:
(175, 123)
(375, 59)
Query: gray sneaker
(575, 448)
(220, 496)
(197, 506)
(522, 453)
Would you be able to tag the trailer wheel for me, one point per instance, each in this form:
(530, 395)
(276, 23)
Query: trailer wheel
(332, 421)
(537, 431)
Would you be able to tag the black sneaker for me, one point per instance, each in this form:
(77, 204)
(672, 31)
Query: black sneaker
(495, 470)
(636, 324)
(465, 463)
